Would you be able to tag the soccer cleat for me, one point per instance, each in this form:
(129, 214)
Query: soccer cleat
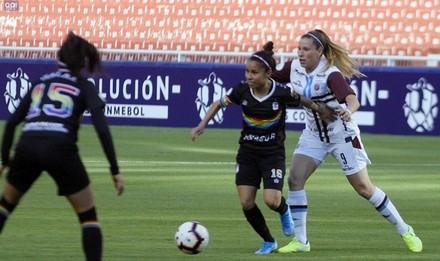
(267, 248)
(412, 241)
(287, 223)
(295, 246)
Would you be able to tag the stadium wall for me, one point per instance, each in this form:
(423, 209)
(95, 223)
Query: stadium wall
(394, 100)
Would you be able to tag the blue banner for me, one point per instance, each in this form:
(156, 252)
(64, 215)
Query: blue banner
(394, 100)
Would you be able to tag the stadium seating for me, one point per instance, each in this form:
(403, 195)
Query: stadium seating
(382, 27)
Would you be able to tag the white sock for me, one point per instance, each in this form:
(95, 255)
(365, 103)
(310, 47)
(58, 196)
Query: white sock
(297, 201)
(387, 209)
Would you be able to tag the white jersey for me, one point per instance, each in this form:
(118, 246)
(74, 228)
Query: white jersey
(315, 87)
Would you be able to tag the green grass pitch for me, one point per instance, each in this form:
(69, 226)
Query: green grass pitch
(170, 179)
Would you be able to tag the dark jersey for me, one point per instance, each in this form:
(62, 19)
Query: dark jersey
(54, 106)
(264, 119)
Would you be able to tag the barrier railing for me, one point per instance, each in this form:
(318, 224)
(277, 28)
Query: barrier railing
(212, 57)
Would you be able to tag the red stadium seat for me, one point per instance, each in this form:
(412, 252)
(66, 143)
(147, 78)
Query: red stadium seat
(406, 27)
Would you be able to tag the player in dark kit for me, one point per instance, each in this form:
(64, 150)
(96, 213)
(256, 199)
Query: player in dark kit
(51, 111)
(261, 155)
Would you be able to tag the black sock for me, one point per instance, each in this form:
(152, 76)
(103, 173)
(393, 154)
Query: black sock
(6, 209)
(283, 207)
(91, 235)
(257, 221)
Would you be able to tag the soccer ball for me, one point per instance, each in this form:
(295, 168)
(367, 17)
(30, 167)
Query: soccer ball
(192, 237)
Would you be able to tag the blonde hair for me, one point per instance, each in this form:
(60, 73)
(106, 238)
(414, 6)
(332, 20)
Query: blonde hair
(335, 54)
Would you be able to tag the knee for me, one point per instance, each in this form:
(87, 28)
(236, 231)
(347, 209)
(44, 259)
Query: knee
(8, 206)
(295, 182)
(291, 181)
(272, 202)
(247, 204)
(11, 194)
(365, 190)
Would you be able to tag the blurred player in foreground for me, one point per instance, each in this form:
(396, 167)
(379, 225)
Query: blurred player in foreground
(261, 155)
(319, 73)
(51, 111)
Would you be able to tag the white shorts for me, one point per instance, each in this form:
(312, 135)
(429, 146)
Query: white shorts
(351, 156)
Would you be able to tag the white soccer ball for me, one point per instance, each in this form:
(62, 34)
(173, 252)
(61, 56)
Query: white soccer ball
(192, 237)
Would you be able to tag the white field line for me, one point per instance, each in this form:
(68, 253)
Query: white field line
(233, 163)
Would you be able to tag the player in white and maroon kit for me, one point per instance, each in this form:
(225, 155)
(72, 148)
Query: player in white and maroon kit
(320, 73)
(51, 112)
(261, 156)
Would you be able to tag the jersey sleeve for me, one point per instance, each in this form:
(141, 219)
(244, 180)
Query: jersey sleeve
(233, 95)
(340, 87)
(93, 100)
(96, 107)
(283, 75)
(104, 135)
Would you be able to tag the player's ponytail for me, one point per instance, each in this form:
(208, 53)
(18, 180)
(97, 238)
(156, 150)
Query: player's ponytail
(265, 57)
(76, 54)
(335, 54)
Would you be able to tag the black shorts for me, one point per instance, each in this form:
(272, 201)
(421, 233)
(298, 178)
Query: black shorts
(254, 166)
(57, 156)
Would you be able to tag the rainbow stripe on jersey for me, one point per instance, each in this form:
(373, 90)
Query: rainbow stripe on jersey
(224, 101)
(262, 123)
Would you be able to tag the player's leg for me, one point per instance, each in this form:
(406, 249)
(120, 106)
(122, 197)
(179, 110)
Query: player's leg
(302, 167)
(275, 201)
(273, 166)
(83, 203)
(9, 200)
(73, 182)
(252, 212)
(361, 183)
(247, 180)
(23, 172)
(354, 160)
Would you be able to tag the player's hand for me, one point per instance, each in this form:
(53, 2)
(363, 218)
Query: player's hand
(327, 114)
(118, 181)
(197, 131)
(345, 114)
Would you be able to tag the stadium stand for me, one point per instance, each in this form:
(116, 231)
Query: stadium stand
(373, 27)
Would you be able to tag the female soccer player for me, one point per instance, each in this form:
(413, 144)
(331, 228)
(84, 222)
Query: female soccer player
(261, 155)
(319, 74)
(51, 111)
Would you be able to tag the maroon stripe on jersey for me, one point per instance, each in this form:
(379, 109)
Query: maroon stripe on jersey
(323, 132)
(327, 138)
(356, 143)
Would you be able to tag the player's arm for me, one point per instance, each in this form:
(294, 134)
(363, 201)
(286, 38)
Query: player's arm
(8, 139)
(344, 94)
(326, 113)
(352, 106)
(213, 109)
(9, 132)
(103, 131)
